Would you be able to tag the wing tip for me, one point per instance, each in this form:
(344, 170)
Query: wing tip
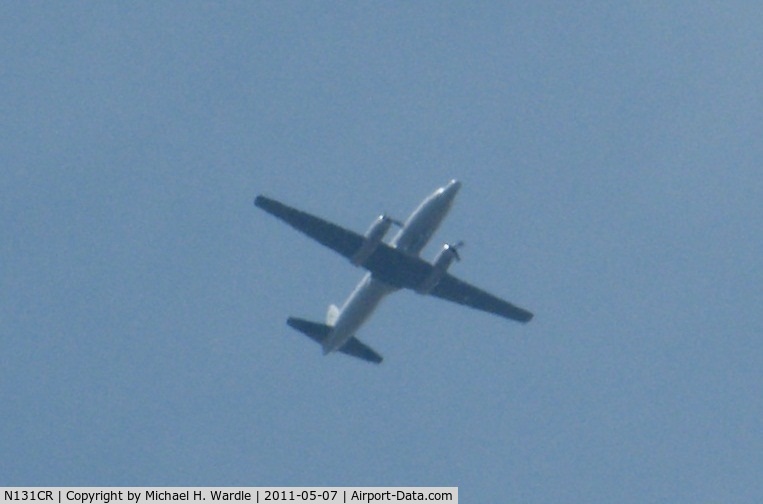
(270, 205)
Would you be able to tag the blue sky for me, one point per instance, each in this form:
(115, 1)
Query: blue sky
(610, 156)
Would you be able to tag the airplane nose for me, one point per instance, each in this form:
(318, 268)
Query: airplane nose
(452, 188)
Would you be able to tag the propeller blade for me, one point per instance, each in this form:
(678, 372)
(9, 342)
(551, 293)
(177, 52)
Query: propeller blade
(392, 220)
(455, 248)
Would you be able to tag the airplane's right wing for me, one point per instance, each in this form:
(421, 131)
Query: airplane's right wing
(337, 238)
(386, 263)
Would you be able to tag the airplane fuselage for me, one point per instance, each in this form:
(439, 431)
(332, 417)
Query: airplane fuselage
(412, 238)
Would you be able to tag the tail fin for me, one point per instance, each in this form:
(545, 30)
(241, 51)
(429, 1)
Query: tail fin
(319, 332)
(332, 315)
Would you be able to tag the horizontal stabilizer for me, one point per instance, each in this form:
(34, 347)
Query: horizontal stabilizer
(314, 330)
(319, 332)
(360, 350)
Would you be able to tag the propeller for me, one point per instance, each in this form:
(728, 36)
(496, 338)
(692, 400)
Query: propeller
(394, 221)
(455, 248)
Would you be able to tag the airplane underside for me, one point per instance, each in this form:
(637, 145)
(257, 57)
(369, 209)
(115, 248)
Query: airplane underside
(390, 266)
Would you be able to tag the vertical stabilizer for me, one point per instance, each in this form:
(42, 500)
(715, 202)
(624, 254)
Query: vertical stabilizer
(332, 315)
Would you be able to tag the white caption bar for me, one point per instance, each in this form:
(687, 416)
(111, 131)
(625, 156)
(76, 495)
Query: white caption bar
(198, 495)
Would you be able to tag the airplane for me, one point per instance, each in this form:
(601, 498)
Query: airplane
(390, 267)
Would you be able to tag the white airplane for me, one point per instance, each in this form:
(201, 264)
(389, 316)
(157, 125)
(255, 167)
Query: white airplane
(390, 267)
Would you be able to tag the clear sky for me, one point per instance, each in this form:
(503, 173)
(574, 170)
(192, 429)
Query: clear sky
(610, 154)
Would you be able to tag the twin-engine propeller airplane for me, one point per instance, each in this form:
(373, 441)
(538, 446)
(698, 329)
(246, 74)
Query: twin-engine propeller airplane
(390, 267)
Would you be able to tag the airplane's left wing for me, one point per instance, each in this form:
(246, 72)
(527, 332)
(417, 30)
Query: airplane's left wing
(458, 291)
(337, 238)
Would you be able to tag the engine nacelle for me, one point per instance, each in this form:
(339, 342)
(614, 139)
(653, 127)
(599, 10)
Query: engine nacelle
(440, 266)
(374, 237)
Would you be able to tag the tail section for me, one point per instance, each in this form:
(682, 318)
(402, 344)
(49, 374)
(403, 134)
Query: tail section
(332, 315)
(319, 332)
